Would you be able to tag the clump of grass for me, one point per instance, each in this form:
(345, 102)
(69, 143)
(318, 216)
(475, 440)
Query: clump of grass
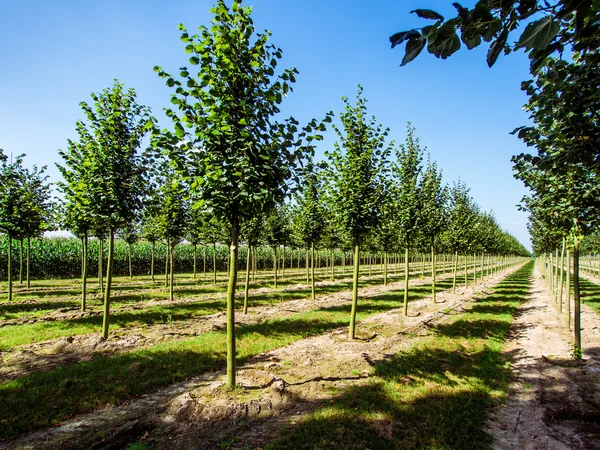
(436, 395)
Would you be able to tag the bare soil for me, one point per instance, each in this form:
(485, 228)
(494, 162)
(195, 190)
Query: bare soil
(275, 388)
(554, 402)
(46, 355)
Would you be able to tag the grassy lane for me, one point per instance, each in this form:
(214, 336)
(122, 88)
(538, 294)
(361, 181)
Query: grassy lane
(44, 399)
(590, 294)
(14, 335)
(436, 395)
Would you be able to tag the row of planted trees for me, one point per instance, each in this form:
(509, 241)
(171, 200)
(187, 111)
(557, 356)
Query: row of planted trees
(232, 169)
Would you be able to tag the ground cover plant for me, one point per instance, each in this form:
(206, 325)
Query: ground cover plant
(437, 394)
(120, 377)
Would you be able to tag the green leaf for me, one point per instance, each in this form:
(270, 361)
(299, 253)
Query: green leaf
(428, 14)
(539, 34)
(413, 48)
(496, 48)
(399, 38)
(445, 42)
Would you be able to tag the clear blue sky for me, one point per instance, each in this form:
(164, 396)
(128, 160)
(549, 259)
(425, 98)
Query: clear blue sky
(54, 54)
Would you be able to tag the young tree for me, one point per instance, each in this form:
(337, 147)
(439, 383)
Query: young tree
(227, 141)
(130, 234)
(358, 162)
(11, 205)
(434, 197)
(461, 220)
(118, 124)
(309, 222)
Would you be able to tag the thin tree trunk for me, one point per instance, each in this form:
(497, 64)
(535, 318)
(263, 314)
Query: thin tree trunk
(283, 264)
(247, 279)
(454, 270)
(152, 260)
(167, 264)
(233, 257)
(482, 259)
(215, 263)
(385, 268)
(562, 276)
(194, 261)
(576, 300)
(84, 272)
(275, 266)
(312, 270)
(332, 265)
(433, 272)
(555, 290)
(352, 330)
(568, 301)
(21, 261)
(172, 277)
(129, 255)
(109, 270)
(100, 268)
(406, 278)
(9, 267)
(204, 260)
(28, 261)
(466, 270)
(307, 266)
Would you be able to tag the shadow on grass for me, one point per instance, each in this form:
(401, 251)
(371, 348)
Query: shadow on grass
(42, 399)
(438, 394)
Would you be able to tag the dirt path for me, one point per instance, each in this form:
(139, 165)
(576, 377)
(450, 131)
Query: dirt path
(553, 402)
(277, 386)
(46, 355)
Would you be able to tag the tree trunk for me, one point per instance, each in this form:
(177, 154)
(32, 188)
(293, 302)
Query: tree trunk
(194, 261)
(84, 272)
(215, 263)
(568, 300)
(312, 270)
(283, 264)
(27, 263)
(233, 256)
(482, 259)
(466, 270)
(172, 277)
(129, 257)
(275, 266)
(555, 290)
(332, 265)
(109, 269)
(562, 276)
(385, 268)
(454, 270)
(352, 330)
(100, 268)
(204, 260)
(152, 260)
(247, 279)
(406, 278)
(307, 266)
(576, 301)
(433, 272)
(9, 267)
(167, 264)
(21, 261)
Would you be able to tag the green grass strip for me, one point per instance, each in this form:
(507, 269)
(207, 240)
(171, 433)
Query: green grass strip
(47, 398)
(436, 395)
(14, 335)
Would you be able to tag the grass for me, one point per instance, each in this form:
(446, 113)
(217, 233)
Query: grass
(14, 335)
(47, 398)
(436, 395)
(590, 294)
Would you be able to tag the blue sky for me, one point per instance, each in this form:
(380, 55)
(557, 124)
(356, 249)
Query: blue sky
(54, 54)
